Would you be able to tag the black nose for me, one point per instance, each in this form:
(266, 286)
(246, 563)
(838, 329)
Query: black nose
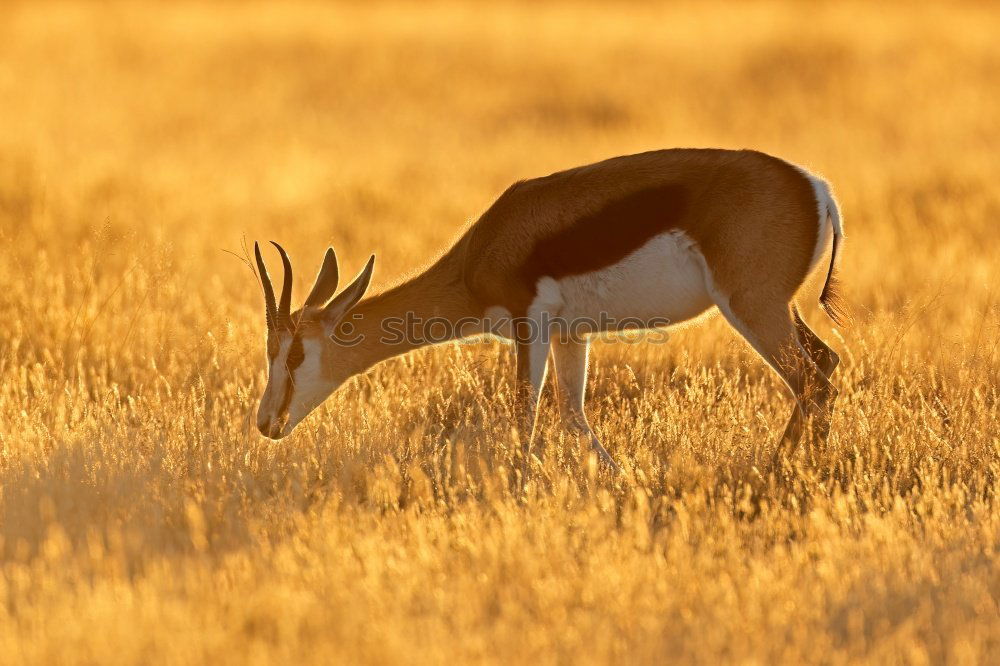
(270, 429)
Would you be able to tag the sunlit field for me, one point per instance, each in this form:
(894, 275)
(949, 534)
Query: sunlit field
(144, 520)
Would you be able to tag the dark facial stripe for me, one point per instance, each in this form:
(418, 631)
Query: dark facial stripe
(296, 354)
(609, 234)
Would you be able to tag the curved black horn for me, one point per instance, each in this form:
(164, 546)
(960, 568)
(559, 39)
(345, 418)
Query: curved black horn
(285, 304)
(270, 310)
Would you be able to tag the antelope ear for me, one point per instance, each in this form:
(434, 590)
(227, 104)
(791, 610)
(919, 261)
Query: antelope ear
(326, 281)
(348, 298)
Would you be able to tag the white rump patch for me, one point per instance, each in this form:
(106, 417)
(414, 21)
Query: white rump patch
(827, 215)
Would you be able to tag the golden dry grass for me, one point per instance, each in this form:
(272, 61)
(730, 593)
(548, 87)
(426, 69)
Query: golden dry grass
(143, 520)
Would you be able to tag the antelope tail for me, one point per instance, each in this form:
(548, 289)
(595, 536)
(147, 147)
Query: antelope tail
(832, 298)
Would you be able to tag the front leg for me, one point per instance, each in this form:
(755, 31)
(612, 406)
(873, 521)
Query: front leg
(532, 364)
(531, 340)
(570, 359)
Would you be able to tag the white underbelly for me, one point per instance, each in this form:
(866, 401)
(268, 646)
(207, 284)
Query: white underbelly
(663, 282)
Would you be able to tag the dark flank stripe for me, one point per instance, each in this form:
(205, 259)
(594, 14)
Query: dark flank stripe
(609, 234)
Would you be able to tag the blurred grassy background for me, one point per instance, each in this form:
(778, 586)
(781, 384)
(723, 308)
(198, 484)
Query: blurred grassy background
(142, 519)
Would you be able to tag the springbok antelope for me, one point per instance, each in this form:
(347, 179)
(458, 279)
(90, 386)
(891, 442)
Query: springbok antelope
(664, 234)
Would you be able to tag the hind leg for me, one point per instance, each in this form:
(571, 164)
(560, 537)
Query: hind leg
(819, 351)
(768, 325)
(825, 359)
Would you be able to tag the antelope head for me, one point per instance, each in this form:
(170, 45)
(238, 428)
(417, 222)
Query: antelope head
(302, 349)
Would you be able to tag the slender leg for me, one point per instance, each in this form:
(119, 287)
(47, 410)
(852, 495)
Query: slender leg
(769, 327)
(532, 364)
(821, 354)
(570, 359)
(531, 341)
(826, 360)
